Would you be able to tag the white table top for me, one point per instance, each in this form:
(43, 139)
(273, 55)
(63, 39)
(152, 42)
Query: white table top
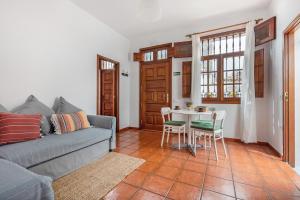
(191, 112)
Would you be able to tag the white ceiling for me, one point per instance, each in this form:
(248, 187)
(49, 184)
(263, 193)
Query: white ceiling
(121, 15)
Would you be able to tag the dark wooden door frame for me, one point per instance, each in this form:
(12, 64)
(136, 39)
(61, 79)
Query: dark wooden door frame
(289, 92)
(117, 80)
(167, 45)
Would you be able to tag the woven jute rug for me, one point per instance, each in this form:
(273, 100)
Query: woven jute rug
(94, 180)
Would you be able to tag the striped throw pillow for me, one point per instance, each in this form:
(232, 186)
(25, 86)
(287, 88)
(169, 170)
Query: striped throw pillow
(19, 127)
(65, 123)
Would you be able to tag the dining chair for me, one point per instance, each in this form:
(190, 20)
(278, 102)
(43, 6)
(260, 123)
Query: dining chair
(171, 125)
(205, 120)
(211, 109)
(213, 129)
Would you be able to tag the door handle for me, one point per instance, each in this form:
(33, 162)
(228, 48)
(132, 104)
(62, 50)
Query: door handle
(286, 96)
(167, 98)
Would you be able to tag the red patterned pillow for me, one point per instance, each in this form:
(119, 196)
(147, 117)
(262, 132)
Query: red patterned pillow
(19, 127)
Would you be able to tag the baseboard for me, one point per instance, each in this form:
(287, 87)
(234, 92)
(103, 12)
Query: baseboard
(123, 129)
(127, 129)
(259, 143)
(226, 139)
(232, 140)
(275, 151)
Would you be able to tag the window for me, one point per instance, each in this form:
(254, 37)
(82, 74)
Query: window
(162, 54)
(155, 55)
(107, 65)
(222, 65)
(148, 56)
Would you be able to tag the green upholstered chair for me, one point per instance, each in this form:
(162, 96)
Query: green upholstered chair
(201, 121)
(171, 125)
(212, 109)
(212, 129)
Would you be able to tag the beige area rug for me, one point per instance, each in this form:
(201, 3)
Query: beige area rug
(94, 180)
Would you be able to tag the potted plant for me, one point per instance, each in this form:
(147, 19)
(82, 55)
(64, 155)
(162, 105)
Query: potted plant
(189, 105)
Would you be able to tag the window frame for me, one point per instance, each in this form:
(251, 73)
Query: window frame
(155, 50)
(220, 70)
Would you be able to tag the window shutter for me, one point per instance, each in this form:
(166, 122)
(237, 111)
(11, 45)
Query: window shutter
(186, 79)
(171, 52)
(138, 57)
(259, 73)
(183, 49)
(265, 31)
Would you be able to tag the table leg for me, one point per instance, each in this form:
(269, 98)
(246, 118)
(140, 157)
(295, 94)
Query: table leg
(189, 145)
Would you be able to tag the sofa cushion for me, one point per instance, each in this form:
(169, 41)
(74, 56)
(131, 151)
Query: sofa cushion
(208, 126)
(175, 123)
(28, 154)
(33, 106)
(63, 106)
(3, 109)
(201, 121)
(18, 127)
(20, 183)
(65, 123)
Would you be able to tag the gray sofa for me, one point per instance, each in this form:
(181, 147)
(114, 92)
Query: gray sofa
(38, 162)
(56, 155)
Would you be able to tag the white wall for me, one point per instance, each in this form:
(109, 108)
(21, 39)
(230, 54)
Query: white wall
(49, 49)
(297, 99)
(285, 11)
(232, 128)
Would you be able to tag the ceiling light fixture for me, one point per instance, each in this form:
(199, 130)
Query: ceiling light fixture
(149, 10)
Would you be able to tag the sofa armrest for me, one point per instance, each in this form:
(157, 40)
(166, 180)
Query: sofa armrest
(20, 183)
(107, 122)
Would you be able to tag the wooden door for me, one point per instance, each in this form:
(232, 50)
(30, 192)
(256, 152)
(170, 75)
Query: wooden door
(289, 92)
(108, 87)
(155, 92)
(108, 93)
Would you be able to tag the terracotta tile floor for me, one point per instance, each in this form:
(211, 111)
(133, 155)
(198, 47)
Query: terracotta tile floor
(249, 171)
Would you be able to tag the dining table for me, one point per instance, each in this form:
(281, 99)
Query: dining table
(189, 114)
